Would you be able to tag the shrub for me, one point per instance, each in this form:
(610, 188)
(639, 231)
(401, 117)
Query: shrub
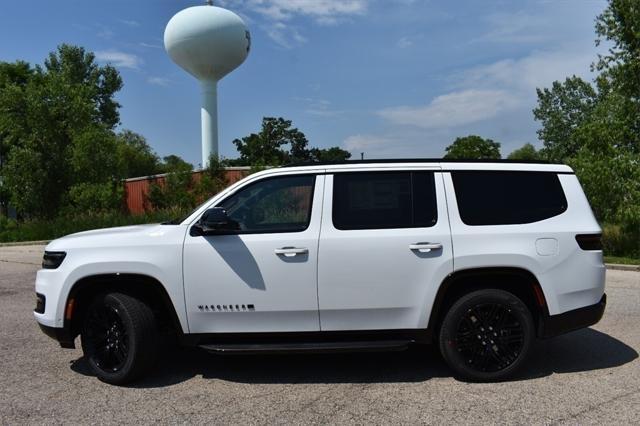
(618, 241)
(95, 197)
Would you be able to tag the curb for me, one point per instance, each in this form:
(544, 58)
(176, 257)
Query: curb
(25, 243)
(619, 267)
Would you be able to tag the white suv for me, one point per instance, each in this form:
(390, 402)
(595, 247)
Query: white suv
(479, 257)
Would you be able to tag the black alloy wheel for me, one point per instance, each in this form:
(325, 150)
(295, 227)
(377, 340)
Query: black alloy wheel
(107, 338)
(486, 335)
(119, 338)
(489, 337)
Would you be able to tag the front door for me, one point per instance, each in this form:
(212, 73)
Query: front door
(264, 277)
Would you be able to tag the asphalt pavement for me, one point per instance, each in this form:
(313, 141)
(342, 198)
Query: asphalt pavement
(590, 376)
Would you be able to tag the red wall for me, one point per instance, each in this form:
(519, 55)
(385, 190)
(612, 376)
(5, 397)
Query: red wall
(136, 189)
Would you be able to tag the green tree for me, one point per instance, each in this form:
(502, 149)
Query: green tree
(561, 110)
(473, 147)
(266, 148)
(212, 180)
(526, 152)
(13, 78)
(44, 114)
(619, 24)
(329, 154)
(596, 128)
(135, 156)
(177, 192)
(174, 163)
(279, 143)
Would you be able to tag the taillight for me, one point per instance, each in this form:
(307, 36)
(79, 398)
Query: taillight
(589, 241)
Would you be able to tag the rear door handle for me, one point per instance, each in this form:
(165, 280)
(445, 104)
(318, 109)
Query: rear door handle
(292, 251)
(425, 247)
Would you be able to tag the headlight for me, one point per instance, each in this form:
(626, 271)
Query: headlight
(53, 259)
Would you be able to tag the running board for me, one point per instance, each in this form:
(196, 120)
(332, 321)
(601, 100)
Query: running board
(382, 345)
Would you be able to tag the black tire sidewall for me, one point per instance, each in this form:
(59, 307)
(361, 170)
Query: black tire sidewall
(140, 341)
(450, 324)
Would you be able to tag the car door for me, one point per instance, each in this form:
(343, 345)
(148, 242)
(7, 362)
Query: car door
(263, 278)
(385, 246)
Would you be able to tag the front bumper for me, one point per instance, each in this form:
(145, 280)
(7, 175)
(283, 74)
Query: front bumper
(554, 325)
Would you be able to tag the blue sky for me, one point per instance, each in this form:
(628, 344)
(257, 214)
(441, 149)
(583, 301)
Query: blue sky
(390, 78)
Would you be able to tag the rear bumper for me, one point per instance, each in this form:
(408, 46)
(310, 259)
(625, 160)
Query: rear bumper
(554, 325)
(62, 335)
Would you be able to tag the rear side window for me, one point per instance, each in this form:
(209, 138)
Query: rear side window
(507, 198)
(382, 200)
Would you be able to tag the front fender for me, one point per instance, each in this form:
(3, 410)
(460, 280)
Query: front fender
(163, 264)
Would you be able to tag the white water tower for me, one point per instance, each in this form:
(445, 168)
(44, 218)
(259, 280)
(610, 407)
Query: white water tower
(208, 42)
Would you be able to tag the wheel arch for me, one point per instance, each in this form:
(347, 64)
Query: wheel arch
(518, 281)
(141, 286)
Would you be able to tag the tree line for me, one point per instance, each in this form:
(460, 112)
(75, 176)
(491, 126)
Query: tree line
(60, 152)
(593, 126)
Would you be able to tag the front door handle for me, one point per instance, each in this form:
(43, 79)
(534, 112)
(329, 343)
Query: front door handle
(425, 247)
(292, 251)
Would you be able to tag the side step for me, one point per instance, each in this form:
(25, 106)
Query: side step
(303, 347)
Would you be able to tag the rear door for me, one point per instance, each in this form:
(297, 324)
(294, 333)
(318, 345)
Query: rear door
(385, 247)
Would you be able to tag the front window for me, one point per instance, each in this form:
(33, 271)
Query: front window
(279, 204)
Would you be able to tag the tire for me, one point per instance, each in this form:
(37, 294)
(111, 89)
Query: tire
(486, 335)
(119, 338)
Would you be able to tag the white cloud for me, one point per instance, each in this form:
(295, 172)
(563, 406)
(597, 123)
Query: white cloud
(129, 22)
(517, 27)
(404, 42)
(159, 81)
(151, 45)
(285, 35)
(453, 109)
(361, 143)
(323, 11)
(318, 107)
(119, 59)
(484, 92)
(538, 69)
(279, 13)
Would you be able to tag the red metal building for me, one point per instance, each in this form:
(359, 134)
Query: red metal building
(136, 189)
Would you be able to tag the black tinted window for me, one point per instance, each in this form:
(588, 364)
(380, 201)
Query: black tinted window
(281, 204)
(507, 198)
(384, 200)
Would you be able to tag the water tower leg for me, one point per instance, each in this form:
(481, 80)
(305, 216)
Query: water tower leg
(209, 117)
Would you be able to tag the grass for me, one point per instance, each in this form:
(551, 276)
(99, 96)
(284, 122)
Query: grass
(621, 260)
(36, 230)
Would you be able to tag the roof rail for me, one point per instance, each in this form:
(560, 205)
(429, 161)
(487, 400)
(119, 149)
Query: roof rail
(412, 160)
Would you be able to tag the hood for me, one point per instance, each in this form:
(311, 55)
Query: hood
(122, 235)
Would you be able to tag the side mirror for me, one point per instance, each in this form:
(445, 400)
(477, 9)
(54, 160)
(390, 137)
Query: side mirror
(215, 221)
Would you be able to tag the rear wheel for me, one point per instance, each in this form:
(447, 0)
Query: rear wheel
(486, 335)
(119, 338)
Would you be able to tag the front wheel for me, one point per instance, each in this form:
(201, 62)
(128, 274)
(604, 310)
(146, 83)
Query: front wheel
(486, 335)
(119, 338)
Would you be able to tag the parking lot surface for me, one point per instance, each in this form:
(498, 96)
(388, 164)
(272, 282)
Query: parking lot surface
(590, 376)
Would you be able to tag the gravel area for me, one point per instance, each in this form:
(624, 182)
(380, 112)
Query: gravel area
(590, 376)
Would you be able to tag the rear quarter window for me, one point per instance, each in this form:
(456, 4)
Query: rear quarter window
(507, 198)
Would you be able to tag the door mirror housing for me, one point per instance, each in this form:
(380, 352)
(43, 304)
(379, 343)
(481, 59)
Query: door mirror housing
(215, 221)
